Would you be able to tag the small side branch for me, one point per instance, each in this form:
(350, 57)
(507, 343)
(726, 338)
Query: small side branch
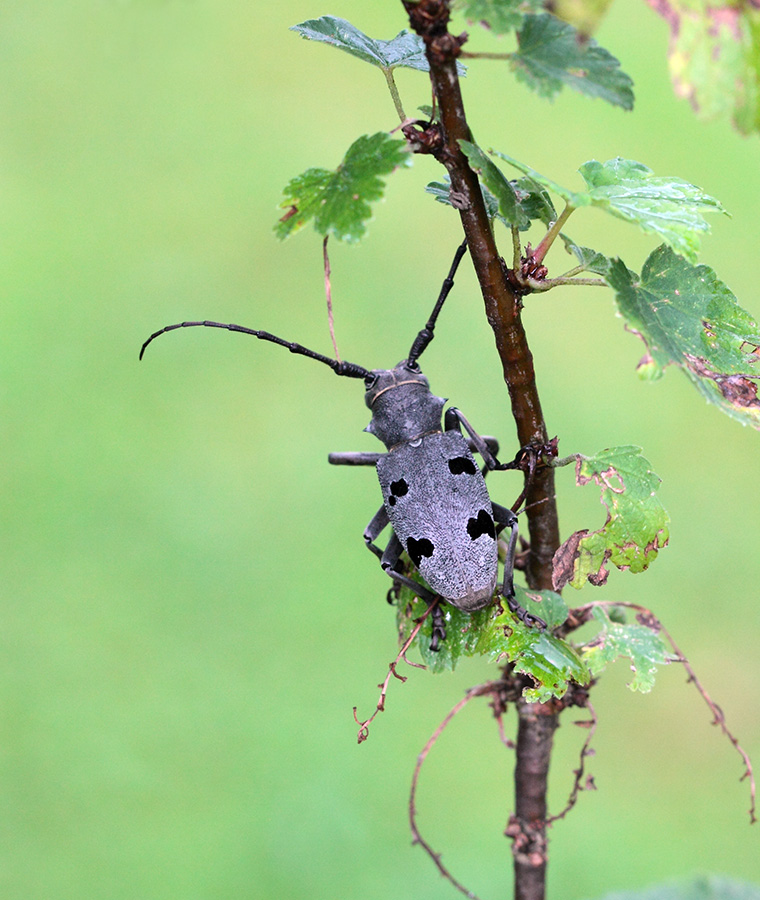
(579, 784)
(363, 733)
(328, 296)
(490, 687)
(645, 617)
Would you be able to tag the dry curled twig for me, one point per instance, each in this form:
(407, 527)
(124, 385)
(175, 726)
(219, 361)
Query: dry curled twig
(490, 687)
(586, 751)
(646, 617)
(363, 733)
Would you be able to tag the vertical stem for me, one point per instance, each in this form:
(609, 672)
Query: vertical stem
(503, 305)
(527, 827)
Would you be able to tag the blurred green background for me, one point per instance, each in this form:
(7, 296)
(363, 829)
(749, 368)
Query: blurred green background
(188, 611)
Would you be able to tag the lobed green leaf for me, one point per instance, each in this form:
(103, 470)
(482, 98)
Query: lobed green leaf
(640, 642)
(550, 55)
(514, 203)
(499, 635)
(636, 527)
(338, 201)
(406, 50)
(669, 207)
(687, 316)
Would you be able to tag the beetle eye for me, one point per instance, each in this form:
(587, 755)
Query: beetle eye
(369, 381)
(413, 366)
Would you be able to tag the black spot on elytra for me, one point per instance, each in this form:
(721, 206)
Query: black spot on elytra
(483, 524)
(398, 489)
(462, 465)
(419, 548)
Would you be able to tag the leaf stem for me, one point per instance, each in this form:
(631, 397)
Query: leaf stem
(466, 55)
(394, 93)
(548, 239)
(516, 249)
(503, 305)
(548, 283)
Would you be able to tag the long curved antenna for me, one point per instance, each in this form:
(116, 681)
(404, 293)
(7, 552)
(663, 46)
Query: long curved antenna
(339, 367)
(426, 335)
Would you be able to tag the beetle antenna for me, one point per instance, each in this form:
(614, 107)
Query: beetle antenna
(426, 335)
(340, 367)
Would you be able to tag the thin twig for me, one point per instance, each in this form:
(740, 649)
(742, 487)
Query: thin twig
(328, 294)
(487, 688)
(363, 733)
(647, 618)
(580, 771)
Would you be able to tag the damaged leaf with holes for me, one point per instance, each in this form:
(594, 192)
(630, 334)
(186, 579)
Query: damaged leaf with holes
(550, 661)
(499, 635)
(338, 200)
(636, 528)
(688, 317)
(669, 207)
(714, 60)
(639, 642)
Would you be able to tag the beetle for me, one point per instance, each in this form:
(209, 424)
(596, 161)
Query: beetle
(435, 498)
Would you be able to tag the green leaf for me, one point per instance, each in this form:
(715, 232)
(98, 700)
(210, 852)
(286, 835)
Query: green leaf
(498, 635)
(714, 58)
(441, 191)
(551, 662)
(591, 260)
(463, 631)
(499, 16)
(705, 887)
(639, 641)
(687, 316)
(493, 178)
(550, 55)
(338, 201)
(636, 527)
(532, 201)
(669, 207)
(406, 50)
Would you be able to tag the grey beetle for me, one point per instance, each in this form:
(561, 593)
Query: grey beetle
(434, 495)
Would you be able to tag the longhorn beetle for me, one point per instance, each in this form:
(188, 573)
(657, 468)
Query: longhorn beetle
(434, 495)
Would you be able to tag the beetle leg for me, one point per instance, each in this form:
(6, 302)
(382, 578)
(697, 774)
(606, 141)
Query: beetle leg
(350, 458)
(505, 518)
(373, 530)
(389, 559)
(487, 447)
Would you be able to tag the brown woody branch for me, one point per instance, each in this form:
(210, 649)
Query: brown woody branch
(502, 296)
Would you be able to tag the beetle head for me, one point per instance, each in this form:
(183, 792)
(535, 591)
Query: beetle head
(403, 408)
